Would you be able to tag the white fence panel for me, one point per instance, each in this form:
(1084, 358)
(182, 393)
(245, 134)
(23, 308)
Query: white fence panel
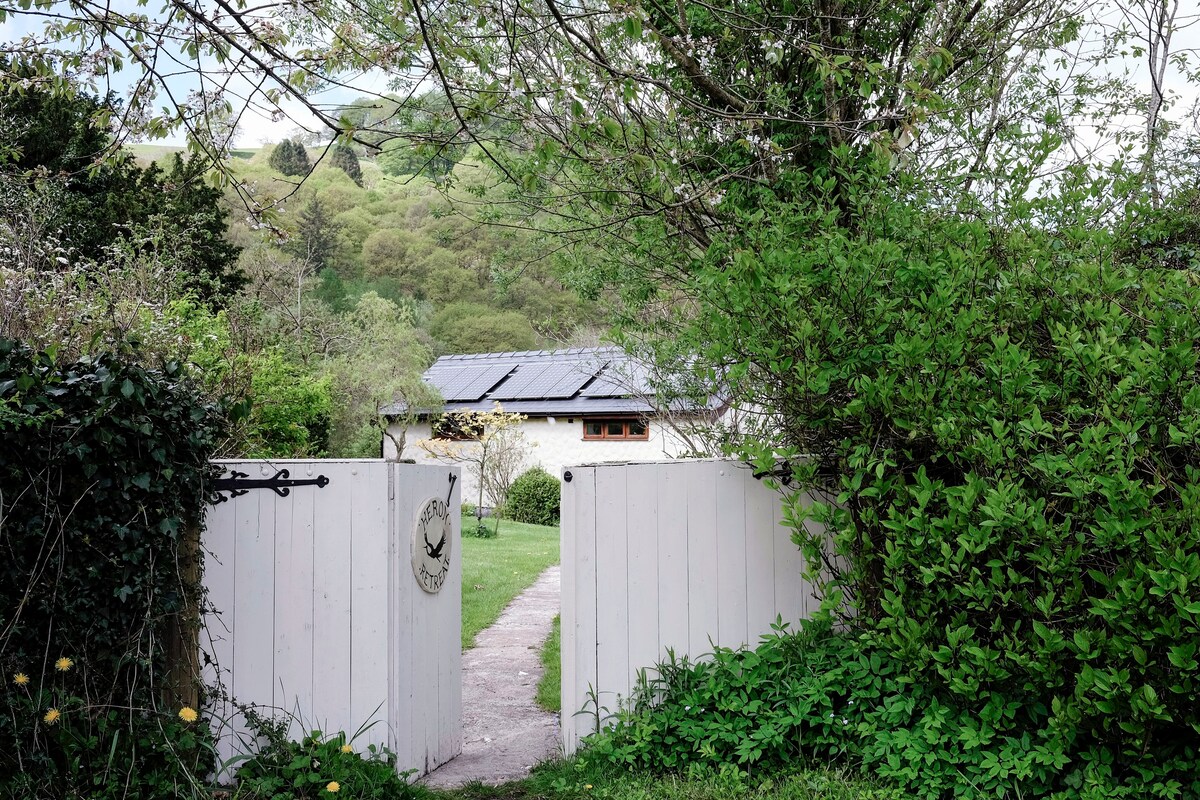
(317, 614)
(666, 556)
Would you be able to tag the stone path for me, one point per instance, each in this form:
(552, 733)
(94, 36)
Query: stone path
(505, 733)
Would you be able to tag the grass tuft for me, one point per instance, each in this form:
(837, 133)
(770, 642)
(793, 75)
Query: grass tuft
(549, 688)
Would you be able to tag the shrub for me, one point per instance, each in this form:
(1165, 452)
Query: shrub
(534, 498)
(1007, 424)
(836, 698)
(102, 475)
(290, 410)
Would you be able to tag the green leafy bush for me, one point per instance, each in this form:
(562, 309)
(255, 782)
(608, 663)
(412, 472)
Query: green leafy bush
(534, 498)
(1005, 426)
(318, 766)
(290, 411)
(835, 698)
(103, 474)
(480, 529)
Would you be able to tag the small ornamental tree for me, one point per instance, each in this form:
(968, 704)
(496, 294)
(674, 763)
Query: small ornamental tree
(489, 443)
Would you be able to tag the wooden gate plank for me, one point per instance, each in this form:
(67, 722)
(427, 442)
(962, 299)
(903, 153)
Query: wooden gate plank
(332, 537)
(612, 572)
(703, 556)
(643, 597)
(569, 699)
(368, 603)
(672, 561)
(732, 589)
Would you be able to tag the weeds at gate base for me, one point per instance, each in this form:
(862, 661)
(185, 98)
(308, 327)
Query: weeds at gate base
(479, 529)
(69, 741)
(318, 766)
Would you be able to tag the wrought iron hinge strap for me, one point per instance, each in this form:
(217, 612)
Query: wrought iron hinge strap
(239, 483)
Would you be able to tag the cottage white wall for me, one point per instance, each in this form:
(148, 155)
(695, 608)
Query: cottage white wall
(552, 442)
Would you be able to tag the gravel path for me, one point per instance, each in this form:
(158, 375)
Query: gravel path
(505, 733)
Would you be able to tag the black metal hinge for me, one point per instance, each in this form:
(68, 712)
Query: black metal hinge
(280, 483)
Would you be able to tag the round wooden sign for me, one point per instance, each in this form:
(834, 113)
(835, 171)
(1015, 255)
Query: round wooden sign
(432, 535)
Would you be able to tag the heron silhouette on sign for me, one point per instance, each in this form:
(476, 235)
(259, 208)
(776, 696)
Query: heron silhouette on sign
(435, 551)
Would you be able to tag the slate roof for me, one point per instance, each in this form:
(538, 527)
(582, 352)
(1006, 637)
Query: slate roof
(576, 382)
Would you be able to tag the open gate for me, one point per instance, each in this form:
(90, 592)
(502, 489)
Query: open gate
(334, 597)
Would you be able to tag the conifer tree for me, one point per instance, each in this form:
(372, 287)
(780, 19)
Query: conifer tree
(345, 159)
(290, 158)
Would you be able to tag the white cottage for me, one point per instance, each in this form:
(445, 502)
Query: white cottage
(584, 405)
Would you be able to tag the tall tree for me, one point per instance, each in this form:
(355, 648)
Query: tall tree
(315, 241)
(57, 144)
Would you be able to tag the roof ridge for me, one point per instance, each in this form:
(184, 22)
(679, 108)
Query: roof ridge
(519, 354)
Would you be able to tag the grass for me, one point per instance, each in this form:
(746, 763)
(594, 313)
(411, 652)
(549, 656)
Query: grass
(549, 688)
(571, 780)
(497, 570)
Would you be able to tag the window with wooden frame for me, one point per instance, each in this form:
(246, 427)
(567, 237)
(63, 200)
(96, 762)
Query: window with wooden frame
(615, 429)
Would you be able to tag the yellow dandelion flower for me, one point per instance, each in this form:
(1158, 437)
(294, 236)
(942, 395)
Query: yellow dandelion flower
(21, 679)
(51, 716)
(587, 786)
(347, 748)
(63, 664)
(332, 787)
(188, 715)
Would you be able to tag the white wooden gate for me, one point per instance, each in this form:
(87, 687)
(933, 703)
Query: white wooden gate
(680, 555)
(317, 613)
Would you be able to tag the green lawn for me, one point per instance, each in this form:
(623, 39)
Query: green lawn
(497, 570)
(549, 688)
(564, 780)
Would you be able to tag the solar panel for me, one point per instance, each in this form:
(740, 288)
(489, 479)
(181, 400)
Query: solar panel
(550, 378)
(478, 381)
(535, 381)
(526, 374)
(621, 379)
(466, 384)
(447, 380)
